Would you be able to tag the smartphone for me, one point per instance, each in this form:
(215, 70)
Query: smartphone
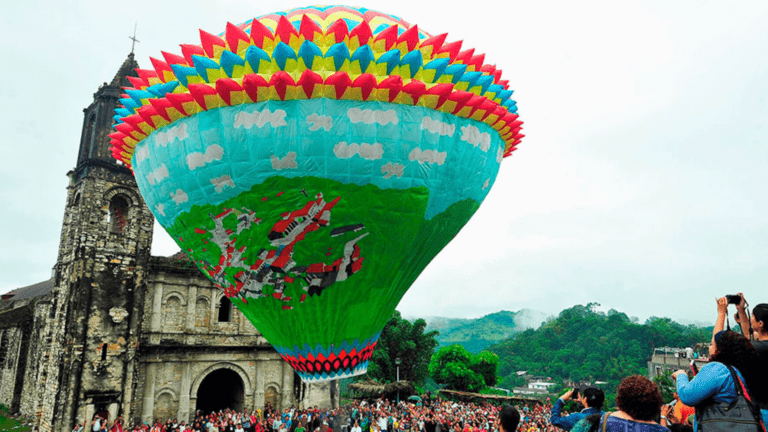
(694, 368)
(575, 393)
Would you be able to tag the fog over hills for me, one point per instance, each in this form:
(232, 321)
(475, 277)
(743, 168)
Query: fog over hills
(479, 333)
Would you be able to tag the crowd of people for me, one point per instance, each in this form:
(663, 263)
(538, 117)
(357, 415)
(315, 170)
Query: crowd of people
(736, 370)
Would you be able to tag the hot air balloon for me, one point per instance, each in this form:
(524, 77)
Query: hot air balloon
(312, 163)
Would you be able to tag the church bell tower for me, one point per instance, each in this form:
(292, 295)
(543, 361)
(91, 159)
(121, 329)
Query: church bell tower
(99, 277)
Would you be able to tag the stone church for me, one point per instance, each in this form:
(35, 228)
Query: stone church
(118, 331)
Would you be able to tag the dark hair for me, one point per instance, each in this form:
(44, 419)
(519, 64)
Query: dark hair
(509, 418)
(679, 427)
(595, 397)
(639, 397)
(760, 312)
(733, 349)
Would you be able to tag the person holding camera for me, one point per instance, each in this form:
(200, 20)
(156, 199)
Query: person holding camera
(591, 398)
(756, 330)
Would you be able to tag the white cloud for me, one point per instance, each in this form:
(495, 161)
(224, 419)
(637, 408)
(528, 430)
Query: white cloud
(198, 159)
(487, 182)
(318, 121)
(222, 182)
(368, 116)
(500, 154)
(160, 209)
(142, 154)
(472, 135)
(390, 169)
(167, 135)
(260, 118)
(179, 196)
(438, 127)
(287, 162)
(157, 175)
(373, 151)
(427, 156)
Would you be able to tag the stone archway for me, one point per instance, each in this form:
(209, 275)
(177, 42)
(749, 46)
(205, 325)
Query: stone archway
(220, 389)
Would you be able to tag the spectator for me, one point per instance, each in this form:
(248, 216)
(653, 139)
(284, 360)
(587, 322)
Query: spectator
(509, 418)
(639, 402)
(756, 328)
(590, 398)
(714, 382)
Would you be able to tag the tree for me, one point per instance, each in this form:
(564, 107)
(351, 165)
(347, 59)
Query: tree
(405, 340)
(486, 363)
(457, 368)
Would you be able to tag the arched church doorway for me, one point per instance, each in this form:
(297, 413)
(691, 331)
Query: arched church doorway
(221, 389)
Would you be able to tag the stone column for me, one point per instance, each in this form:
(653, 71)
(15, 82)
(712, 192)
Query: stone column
(190, 317)
(186, 384)
(112, 411)
(148, 407)
(90, 410)
(287, 385)
(258, 384)
(156, 323)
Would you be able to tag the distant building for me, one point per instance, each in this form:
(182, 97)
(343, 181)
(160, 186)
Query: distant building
(672, 359)
(536, 386)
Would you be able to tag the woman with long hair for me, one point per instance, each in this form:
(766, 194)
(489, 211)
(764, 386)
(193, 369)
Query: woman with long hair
(714, 382)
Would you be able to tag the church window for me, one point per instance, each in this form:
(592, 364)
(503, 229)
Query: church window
(225, 310)
(88, 134)
(3, 349)
(104, 348)
(118, 215)
(76, 201)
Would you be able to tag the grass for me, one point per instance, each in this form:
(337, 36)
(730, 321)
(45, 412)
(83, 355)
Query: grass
(11, 423)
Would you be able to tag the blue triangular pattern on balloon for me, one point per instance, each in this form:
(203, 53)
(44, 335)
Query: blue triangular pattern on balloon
(364, 54)
(339, 52)
(413, 59)
(282, 53)
(229, 60)
(183, 73)
(254, 55)
(202, 64)
(160, 90)
(391, 58)
(308, 51)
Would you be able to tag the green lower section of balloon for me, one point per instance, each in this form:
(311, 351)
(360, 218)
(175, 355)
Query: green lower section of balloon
(379, 236)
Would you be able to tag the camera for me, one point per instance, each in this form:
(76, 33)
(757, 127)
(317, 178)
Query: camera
(733, 299)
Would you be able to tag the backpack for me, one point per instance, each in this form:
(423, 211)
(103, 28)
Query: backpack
(741, 415)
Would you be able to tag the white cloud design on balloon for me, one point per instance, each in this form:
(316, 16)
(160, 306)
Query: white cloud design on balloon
(369, 116)
(427, 156)
(198, 159)
(438, 127)
(472, 135)
(287, 162)
(157, 175)
(390, 169)
(222, 182)
(167, 135)
(260, 118)
(317, 122)
(373, 151)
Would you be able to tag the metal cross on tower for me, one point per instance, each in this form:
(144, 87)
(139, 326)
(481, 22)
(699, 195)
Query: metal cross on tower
(133, 38)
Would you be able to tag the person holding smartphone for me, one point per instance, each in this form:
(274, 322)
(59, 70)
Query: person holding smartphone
(591, 398)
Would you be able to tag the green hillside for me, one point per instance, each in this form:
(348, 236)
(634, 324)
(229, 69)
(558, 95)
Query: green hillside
(583, 344)
(477, 334)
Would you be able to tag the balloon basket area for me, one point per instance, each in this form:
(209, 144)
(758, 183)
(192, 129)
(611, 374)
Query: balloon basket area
(343, 361)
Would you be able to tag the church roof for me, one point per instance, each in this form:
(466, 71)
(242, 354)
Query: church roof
(128, 68)
(35, 290)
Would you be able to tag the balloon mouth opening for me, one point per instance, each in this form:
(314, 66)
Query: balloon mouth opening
(344, 361)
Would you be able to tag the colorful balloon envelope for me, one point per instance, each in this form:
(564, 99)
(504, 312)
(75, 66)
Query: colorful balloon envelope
(312, 163)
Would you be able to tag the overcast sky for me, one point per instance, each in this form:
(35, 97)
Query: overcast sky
(641, 184)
